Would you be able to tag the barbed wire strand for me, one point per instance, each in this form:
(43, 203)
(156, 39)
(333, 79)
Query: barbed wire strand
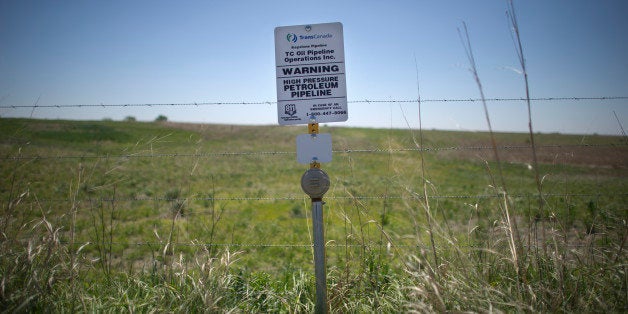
(331, 197)
(329, 244)
(223, 103)
(278, 153)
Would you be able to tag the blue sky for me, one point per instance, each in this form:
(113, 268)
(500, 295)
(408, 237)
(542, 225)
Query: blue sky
(129, 52)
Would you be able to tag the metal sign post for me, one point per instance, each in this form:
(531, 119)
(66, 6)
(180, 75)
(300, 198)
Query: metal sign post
(315, 183)
(311, 88)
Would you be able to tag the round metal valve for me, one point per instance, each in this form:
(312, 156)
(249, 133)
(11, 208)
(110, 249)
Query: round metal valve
(315, 183)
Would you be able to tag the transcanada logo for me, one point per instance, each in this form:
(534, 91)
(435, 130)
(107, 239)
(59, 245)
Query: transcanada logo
(292, 37)
(315, 36)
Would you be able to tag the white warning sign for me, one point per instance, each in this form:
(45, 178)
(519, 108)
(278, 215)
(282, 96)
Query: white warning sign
(310, 67)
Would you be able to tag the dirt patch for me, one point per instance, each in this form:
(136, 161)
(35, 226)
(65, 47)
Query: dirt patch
(615, 157)
(605, 151)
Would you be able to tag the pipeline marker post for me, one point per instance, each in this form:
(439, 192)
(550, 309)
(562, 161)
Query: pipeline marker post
(311, 88)
(314, 148)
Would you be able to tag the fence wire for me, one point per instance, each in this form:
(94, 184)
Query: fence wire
(283, 153)
(225, 103)
(329, 197)
(329, 244)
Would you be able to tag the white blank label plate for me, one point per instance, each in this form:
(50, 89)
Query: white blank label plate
(313, 148)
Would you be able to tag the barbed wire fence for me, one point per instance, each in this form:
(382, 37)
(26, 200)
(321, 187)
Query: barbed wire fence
(272, 154)
(224, 103)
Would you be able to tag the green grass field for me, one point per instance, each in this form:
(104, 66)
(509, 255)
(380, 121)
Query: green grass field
(131, 216)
